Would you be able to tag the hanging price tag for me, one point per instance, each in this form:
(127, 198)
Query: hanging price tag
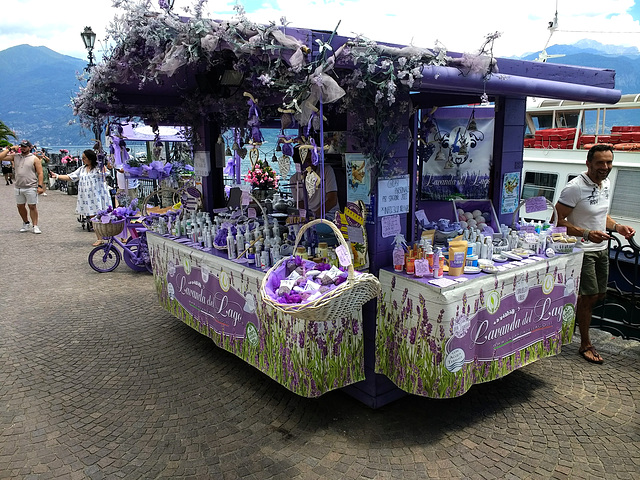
(245, 198)
(535, 204)
(251, 212)
(343, 256)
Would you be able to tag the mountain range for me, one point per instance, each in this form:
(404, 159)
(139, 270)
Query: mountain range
(37, 84)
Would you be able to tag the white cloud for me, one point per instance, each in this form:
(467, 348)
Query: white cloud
(460, 25)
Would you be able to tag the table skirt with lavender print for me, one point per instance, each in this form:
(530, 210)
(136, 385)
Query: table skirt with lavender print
(437, 342)
(221, 299)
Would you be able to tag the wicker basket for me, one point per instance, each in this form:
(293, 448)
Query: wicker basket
(560, 247)
(341, 302)
(108, 229)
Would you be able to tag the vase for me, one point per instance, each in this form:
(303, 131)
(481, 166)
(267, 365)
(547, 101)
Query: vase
(261, 194)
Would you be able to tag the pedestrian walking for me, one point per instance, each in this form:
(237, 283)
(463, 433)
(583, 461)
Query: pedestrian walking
(29, 182)
(93, 193)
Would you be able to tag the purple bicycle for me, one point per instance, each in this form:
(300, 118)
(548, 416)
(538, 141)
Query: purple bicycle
(106, 258)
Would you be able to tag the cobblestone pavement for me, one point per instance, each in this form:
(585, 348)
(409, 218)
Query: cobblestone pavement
(97, 381)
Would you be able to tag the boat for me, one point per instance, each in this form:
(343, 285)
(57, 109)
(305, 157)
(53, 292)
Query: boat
(558, 135)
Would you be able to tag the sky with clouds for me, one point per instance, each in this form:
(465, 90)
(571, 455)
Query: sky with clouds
(458, 25)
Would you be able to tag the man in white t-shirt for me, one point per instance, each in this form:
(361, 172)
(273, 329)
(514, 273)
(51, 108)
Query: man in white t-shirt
(583, 208)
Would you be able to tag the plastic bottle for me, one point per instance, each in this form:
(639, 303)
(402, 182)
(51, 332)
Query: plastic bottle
(437, 271)
(398, 252)
(231, 246)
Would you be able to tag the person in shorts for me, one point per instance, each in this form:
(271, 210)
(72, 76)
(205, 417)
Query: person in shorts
(7, 171)
(28, 184)
(583, 208)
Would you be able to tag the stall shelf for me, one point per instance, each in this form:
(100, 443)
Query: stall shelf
(439, 341)
(220, 298)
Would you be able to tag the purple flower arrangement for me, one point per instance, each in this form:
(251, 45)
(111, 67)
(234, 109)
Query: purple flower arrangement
(112, 215)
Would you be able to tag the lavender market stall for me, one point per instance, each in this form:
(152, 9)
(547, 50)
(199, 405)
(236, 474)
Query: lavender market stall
(384, 99)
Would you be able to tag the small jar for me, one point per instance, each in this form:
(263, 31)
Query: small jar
(323, 250)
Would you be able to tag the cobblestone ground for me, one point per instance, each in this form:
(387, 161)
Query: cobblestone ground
(97, 381)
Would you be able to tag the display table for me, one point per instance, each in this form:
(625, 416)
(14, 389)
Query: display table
(220, 298)
(437, 342)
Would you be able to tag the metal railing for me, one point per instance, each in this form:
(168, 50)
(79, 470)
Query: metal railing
(619, 313)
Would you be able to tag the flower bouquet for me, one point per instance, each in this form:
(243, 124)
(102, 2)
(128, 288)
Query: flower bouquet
(110, 222)
(262, 176)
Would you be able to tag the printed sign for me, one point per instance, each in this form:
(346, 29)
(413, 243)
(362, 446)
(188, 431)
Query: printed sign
(507, 324)
(510, 192)
(535, 204)
(212, 301)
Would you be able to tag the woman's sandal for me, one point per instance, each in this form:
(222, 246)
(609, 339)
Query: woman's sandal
(98, 243)
(595, 356)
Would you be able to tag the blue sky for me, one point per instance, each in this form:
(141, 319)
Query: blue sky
(459, 25)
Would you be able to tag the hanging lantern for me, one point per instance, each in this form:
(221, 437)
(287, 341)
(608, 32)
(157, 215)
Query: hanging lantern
(440, 156)
(235, 147)
(279, 147)
(463, 149)
(274, 158)
(227, 152)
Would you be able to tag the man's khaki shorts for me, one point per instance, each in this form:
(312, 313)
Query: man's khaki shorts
(595, 272)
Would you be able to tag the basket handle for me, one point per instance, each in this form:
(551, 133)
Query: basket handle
(337, 233)
(554, 216)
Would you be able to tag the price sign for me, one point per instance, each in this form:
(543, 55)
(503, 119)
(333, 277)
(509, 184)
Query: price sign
(355, 234)
(343, 256)
(535, 204)
(391, 226)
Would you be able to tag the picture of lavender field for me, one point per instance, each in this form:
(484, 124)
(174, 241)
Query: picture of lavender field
(309, 358)
(439, 342)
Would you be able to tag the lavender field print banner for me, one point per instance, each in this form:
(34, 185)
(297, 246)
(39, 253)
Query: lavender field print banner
(457, 154)
(221, 299)
(438, 343)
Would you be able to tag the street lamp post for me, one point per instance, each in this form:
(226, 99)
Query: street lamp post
(89, 39)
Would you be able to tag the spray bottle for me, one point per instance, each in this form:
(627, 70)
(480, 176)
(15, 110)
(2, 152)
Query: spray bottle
(398, 252)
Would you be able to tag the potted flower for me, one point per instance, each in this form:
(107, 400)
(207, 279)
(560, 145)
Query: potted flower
(261, 176)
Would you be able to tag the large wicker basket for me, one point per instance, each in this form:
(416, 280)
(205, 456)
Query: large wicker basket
(342, 302)
(108, 229)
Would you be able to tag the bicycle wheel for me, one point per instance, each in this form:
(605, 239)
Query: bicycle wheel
(132, 253)
(104, 259)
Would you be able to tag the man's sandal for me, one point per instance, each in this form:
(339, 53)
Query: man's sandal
(591, 355)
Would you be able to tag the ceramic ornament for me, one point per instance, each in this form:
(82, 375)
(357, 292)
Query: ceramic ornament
(311, 183)
(303, 155)
(284, 163)
(254, 154)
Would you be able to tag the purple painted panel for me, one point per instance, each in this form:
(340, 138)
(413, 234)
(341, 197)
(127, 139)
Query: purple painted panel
(222, 308)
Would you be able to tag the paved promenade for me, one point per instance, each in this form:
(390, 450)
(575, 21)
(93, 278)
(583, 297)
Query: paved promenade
(98, 382)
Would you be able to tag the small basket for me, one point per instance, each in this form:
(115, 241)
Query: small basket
(561, 247)
(340, 302)
(108, 229)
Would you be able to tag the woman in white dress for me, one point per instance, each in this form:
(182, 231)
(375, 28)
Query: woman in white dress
(93, 194)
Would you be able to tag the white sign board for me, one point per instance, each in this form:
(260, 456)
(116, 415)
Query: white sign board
(393, 194)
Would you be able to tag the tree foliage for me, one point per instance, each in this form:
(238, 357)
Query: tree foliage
(5, 134)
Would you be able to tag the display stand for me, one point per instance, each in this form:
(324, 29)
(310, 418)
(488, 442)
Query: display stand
(221, 299)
